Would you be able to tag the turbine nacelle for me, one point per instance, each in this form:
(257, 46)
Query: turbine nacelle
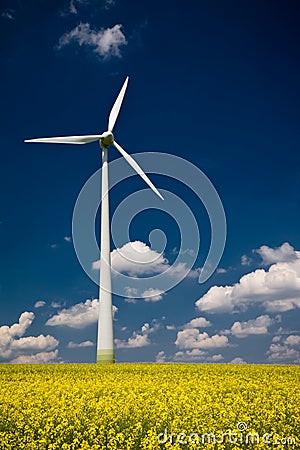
(107, 138)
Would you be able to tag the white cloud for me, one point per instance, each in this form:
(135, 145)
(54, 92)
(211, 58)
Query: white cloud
(283, 350)
(255, 326)
(246, 261)
(198, 322)
(138, 339)
(237, 360)
(152, 295)
(188, 251)
(12, 344)
(283, 305)
(130, 300)
(77, 316)
(216, 300)
(39, 304)
(9, 14)
(33, 343)
(160, 357)
(292, 340)
(137, 259)
(193, 355)
(146, 328)
(72, 7)
(18, 329)
(131, 293)
(215, 358)
(68, 238)
(38, 358)
(197, 355)
(276, 290)
(283, 353)
(149, 295)
(105, 42)
(109, 4)
(53, 246)
(83, 344)
(284, 253)
(191, 338)
(221, 270)
(180, 268)
(57, 305)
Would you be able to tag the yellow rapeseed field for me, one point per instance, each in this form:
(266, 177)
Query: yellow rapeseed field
(149, 406)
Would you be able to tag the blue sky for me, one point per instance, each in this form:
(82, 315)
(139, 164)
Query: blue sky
(213, 83)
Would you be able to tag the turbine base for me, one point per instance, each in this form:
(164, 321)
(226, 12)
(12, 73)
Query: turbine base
(105, 356)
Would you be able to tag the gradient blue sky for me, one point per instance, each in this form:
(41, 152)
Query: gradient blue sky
(214, 82)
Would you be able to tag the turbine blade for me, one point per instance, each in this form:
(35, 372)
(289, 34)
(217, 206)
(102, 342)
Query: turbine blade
(68, 139)
(117, 105)
(137, 168)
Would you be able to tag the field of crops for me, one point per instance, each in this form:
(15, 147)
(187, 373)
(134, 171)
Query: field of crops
(149, 406)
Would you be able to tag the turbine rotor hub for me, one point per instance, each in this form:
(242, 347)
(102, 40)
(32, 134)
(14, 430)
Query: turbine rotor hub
(107, 139)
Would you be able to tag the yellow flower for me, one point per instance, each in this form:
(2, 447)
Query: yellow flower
(148, 406)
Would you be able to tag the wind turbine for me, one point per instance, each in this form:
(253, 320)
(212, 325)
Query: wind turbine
(105, 343)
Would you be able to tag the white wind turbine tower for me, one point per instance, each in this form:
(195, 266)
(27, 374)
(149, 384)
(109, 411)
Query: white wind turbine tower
(105, 345)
